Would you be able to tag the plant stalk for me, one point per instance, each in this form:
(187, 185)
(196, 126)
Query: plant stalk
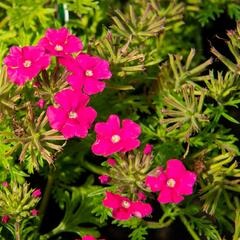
(189, 228)
(17, 231)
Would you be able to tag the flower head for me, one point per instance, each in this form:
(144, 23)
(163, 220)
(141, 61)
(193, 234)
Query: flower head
(123, 208)
(72, 117)
(60, 42)
(25, 63)
(112, 138)
(172, 183)
(37, 193)
(87, 72)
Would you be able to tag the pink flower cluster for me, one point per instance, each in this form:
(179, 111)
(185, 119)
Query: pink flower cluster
(71, 115)
(172, 183)
(123, 208)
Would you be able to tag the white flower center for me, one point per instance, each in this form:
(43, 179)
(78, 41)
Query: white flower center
(115, 138)
(171, 182)
(125, 204)
(27, 63)
(72, 115)
(89, 73)
(58, 48)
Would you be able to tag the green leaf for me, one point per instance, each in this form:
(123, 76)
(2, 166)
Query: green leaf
(229, 118)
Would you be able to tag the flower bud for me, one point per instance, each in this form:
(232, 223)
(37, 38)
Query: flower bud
(34, 212)
(41, 103)
(112, 162)
(148, 149)
(37, 193)
(104, 179)
(5, 184)
(5, 219)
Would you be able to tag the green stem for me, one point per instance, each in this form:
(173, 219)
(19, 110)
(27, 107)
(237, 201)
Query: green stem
(157, 225)
(17, 231)
(46, 195)
(190, 230)
(93, 168)
(236, 235)
(55, 231)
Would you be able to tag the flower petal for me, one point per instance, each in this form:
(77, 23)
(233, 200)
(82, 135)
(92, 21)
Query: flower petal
(175, 168)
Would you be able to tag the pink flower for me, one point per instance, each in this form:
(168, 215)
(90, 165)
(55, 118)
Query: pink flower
(148, 149)
(87, 72)
(5, 184)
(104, 179)
(111, 138)
(41, 103)
(88, 237)
(37, 193)
(72, 117)
(60, 42)
(25, 63)
(112, 162)
(34, 212)
(123, 208)
(173, 183)
(5, 219)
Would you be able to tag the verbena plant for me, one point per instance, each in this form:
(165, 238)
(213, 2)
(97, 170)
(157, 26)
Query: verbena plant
(119, 116)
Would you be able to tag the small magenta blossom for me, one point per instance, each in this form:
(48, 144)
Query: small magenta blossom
(172, 183)
(37, 193)
(141, 196)
(41, 103)
(72, 117)
(34, 212)
(5, 184)
(60, 42)
(112, 162)
(88, 237)
(104, 179)
(25, 63)
(124, 209)
(148, 149)
(88, 72)
(5, 219)
(112, 138)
